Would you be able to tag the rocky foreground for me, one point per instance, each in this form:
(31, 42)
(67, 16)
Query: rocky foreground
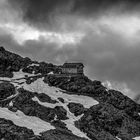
(38, 104)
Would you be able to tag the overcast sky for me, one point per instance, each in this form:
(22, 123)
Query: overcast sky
(103, 34)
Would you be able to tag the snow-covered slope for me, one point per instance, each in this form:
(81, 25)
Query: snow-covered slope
(136, 138)
(40, 87)
(34, 123)
(20, 119)
(37, 103)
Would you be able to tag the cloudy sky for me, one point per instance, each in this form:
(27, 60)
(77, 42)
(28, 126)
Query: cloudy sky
(103, 34)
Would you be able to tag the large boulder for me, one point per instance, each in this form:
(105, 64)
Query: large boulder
(76, 108)
(61, 113)
(45, 98)
(6, 90)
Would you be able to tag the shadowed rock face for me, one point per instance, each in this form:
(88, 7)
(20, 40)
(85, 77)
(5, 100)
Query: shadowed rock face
(6, 90)
(115, 116)
(108, 120)
(45, 98)
(11, 62)
(60, 135)
(9, 131)
(76, 108)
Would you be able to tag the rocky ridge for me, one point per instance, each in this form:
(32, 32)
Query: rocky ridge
(64, 107)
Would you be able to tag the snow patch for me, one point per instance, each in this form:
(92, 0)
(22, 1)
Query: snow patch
(70, 122)
(11, 103)
(20, 119)
(34, 64)
(40, 87)
(75, 131)
(45, 103)
(137, 138)
(21, 74)
(71, 126)
(118, 138)
(36, 124)
(50, 73)
(4, 79)
(17, 75)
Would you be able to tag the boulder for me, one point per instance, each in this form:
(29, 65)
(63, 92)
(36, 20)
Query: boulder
(76, 108)
(6, 90)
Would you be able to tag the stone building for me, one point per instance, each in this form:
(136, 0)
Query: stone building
(72, 68)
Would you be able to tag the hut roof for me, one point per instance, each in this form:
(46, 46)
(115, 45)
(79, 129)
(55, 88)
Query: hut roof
(72, 65)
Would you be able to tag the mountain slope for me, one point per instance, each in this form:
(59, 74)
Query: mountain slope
(37, 103)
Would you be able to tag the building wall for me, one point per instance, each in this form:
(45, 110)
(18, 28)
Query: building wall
(69, 70)
(80, 71)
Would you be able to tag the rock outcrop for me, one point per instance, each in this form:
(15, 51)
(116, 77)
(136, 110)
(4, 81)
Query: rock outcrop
(115, 116)
(6, 90)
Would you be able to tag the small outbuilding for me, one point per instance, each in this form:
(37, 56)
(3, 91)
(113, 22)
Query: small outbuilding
(73, 68)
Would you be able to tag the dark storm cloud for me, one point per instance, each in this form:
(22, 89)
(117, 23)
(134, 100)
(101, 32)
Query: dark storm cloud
(110, 58)
(38, 12)
(36, 49)
(106, 58)
(9, 43)
(30, 49)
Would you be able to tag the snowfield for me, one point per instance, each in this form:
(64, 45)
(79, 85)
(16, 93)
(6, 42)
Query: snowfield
(36, 124)
(76, 131)
(34, 64)
(45, 104)
(20, 119)
(20, 74)
(40, 87)
(37, 97)
(4, 79)
(118, 138)
(136, 138)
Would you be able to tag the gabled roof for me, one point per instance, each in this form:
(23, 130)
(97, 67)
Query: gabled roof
(73, 65)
